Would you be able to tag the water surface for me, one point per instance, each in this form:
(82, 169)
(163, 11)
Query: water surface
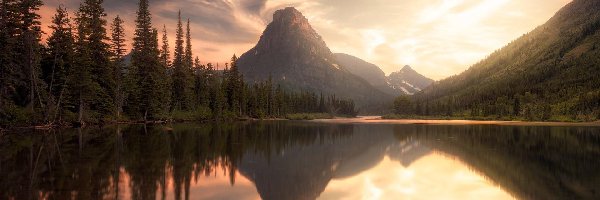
(302, 160)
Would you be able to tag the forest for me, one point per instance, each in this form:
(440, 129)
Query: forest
(84, 74)
(549, 74)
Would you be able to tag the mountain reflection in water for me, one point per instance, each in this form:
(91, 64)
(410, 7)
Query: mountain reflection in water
(302, 160)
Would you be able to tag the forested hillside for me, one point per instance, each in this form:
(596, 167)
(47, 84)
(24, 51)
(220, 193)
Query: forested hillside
(82, 75)
(550, 73)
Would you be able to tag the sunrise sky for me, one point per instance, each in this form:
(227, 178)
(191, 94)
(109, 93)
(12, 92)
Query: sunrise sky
(438, 38)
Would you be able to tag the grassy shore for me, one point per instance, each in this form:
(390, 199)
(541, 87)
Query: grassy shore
(309, 116)
(488, 118)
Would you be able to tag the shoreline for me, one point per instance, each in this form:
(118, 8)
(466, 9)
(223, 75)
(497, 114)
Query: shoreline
(336, 120)
(379, 120)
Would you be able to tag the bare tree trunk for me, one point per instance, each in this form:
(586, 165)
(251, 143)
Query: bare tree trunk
(50, 87)
(80, 119)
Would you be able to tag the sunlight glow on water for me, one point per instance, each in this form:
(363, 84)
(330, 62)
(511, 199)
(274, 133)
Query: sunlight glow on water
(432, 177)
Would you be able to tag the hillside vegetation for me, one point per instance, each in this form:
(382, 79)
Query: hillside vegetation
(550, 73)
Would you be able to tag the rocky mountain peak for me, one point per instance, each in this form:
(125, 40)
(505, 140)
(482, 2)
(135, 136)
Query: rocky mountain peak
(293, 54)
(291, 33)
(406, 68)
(289, 16)
(408, 80)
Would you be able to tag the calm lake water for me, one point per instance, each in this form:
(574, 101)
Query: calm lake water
(302, 160)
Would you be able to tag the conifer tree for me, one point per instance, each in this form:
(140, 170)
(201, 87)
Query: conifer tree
(217, 98)
(58, 61)
(29, 51)
(149, 73)
(200, 84)
(118, 51)
(93, 60)
(234, 86)
(189, 68)
(80, 81)
(7, 47)
(189, 62)
(180, 72)
(165, 61)
(20, 56)
(165, 54)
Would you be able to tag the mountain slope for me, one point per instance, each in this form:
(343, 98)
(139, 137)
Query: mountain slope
(292, 53)
(367, 71)
(408, 81)
(549, 72)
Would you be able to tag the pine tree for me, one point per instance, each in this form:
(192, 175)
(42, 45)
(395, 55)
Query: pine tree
(217, 98)
(201, 88)
(94, 57)
(20, 83)
(30, 49)
(189, 68)
(234, 87)
(188, 47)
(58, 61)
(9, 22)
(165, 55)
(204, 85)
(118, 51)
(180, 72)
(165, 61)
(80, 79)
(149, 73)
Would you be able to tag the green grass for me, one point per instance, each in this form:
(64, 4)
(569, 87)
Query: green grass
(561, 118)
(308, 116)
(488, 118)
(200, 114)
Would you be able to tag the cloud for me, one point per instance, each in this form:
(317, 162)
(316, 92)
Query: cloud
(439, 38)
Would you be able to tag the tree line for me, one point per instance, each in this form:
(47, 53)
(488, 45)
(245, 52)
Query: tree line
(549, 74)
(84, 73)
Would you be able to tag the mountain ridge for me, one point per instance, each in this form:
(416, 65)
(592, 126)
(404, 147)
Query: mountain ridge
(549, 72)
(404, 82)
(294, 55)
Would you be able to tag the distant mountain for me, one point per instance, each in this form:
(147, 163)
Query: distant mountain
(551, 71)
(368, 71)
(408, 81)
(295, 56)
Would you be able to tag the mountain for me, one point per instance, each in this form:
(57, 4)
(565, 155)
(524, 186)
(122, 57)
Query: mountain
(551, 72)
(292, 53)
(367, 71)
(408, 81)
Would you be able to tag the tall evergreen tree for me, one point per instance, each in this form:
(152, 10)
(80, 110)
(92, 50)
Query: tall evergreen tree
(165, 54)
(20, 32)
(201, 88)
(29, 51)
(217, 99)
(149, 73)
(189, 67)
(189, 62)
(118, 50)
(94, 58)
(9, 21)
(58, 61)
(180, 79)
(234, 87)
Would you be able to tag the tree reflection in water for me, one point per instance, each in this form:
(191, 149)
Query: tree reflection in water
(286, 159)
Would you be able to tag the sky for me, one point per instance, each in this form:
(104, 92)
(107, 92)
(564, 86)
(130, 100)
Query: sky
(438, 38)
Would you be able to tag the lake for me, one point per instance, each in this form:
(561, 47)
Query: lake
(302, 160)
